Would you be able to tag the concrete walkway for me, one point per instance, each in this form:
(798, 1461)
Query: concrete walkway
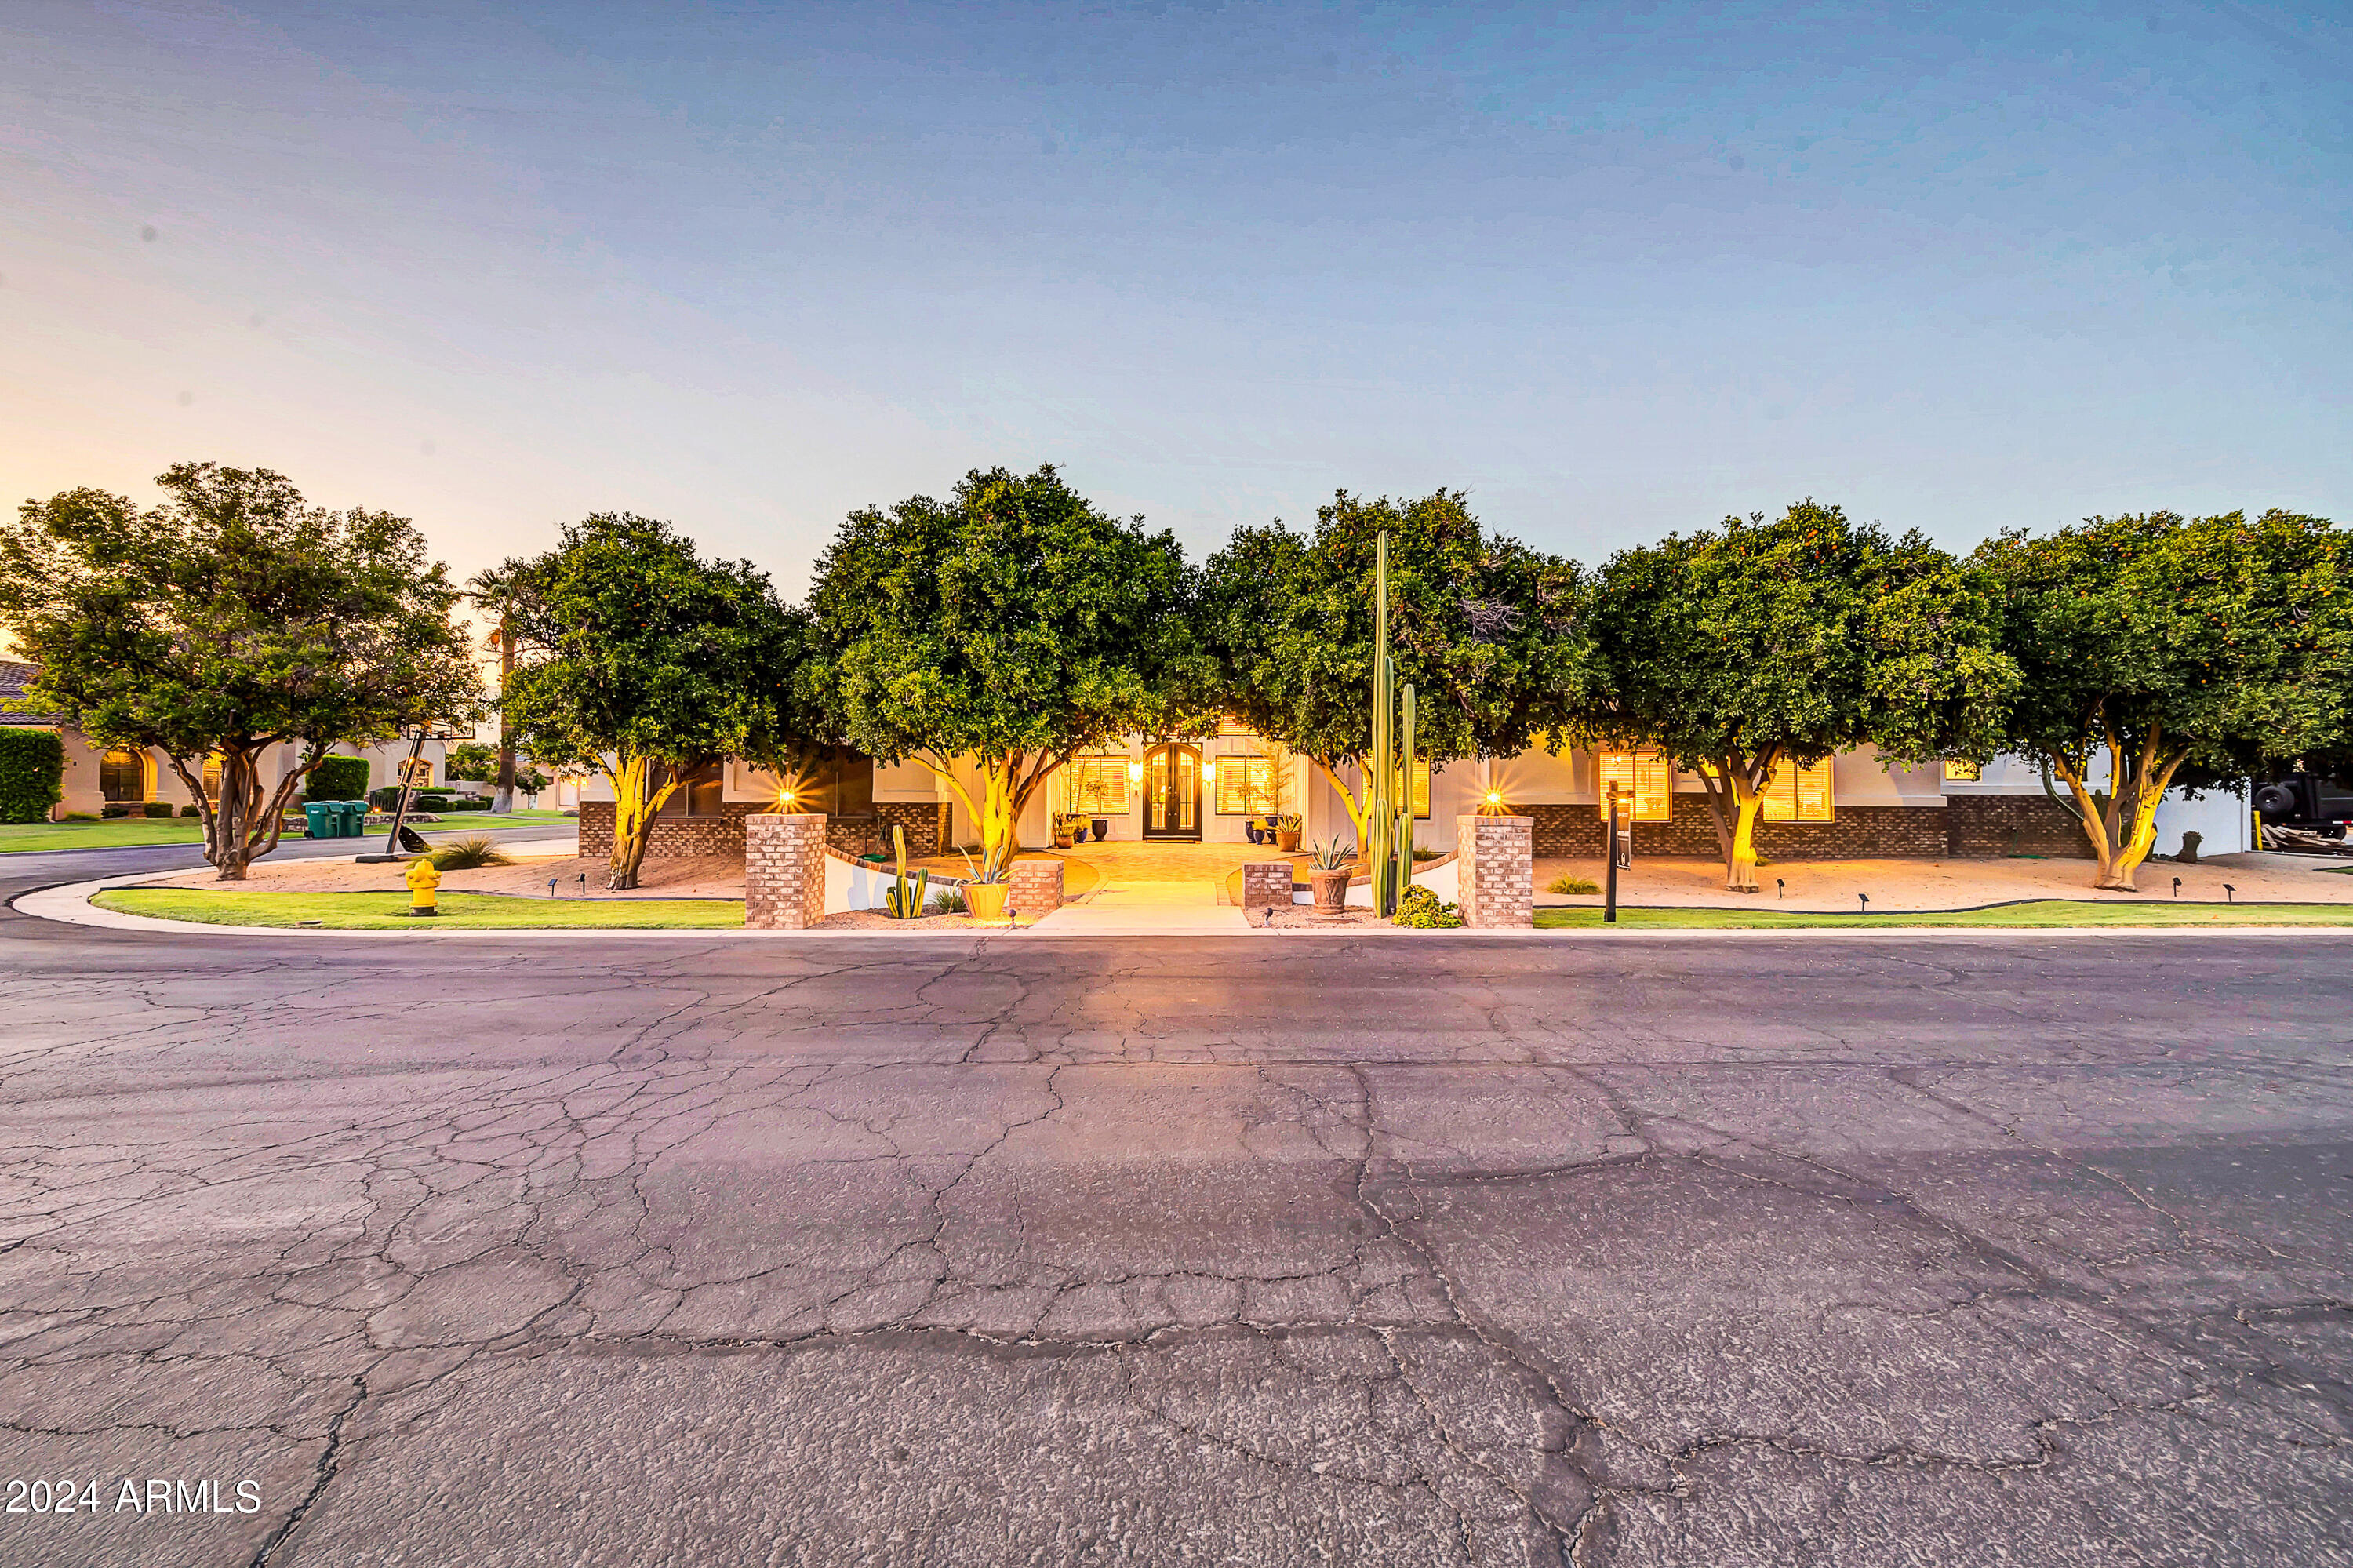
(1156, 889)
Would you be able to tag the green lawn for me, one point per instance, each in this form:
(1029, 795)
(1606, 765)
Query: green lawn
(129, 832)
(386, 911)
(15, 838)
(2047, 913)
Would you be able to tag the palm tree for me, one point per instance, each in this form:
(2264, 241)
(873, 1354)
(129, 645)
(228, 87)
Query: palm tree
(493, 589)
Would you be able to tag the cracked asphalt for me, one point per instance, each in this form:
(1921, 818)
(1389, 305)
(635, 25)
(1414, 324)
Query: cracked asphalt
(584, 1251)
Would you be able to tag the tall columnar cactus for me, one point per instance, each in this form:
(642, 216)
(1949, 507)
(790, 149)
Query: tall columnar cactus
(1389, 821)
(1404, 867)
(905, 899)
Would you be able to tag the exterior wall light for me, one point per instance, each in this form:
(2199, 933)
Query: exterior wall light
(1492, 803)
(1136, 772)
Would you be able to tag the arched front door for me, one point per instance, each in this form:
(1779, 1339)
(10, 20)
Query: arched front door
(1172, 791)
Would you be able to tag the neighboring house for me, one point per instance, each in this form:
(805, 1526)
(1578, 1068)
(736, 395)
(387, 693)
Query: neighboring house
(98, 776)
(1850, 806)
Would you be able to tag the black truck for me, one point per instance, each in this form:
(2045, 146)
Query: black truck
(2314, 802)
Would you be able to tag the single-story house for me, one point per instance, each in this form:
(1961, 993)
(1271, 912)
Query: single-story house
(1207, 789)
(97, 776)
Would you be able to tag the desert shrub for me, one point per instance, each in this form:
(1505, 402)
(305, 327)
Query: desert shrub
(158, 809)
(946, 901)
(338, 778)
(1572, 885)
(32, 774)
(1423, 851)
(468, 853)
(1421, 908)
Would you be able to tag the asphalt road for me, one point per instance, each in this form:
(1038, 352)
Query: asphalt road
(633, 1251)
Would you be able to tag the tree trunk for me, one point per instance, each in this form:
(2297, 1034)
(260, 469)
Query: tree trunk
(230, 850)
(2123, 834)
(636, 804)
(997, 817)
(1735, 801)
(502, 800)
(1356, 813)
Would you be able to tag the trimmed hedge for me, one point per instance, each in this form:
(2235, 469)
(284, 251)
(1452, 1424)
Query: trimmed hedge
(339, 778)
(160, 809)
(32, 774)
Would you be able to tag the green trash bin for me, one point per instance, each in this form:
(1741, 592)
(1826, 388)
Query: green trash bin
(355, 818)
(322, 822)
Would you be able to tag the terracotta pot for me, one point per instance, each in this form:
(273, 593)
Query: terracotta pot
(1331, 890)
(1061, 841)
(985, 900)
(1285, 839)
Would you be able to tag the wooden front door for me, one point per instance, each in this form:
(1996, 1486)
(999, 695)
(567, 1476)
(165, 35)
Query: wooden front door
(1172, 791)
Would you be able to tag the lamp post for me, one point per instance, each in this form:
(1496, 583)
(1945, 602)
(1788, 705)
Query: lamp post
(1609, 899)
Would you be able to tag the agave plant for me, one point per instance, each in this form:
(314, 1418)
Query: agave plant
(1331, 857)
(1290, 822)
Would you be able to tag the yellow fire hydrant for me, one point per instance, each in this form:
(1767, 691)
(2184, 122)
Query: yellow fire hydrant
(423, 879)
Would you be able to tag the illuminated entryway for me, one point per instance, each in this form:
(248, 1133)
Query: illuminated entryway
(1172, 791)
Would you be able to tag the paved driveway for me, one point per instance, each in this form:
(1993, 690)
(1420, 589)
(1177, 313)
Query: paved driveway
(469, 1250)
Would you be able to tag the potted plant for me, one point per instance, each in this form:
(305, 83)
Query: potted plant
(1102, 827)
(1063, 827)
(1287, 829)
(1250, 827)
(984, 894)
(985, 900)
(1327, 874)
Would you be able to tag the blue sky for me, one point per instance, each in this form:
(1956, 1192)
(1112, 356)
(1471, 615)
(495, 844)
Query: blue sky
(1614, 270)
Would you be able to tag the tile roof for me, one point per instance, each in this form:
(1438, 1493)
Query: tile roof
(13, 678)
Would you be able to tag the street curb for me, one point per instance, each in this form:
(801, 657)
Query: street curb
(68, 903)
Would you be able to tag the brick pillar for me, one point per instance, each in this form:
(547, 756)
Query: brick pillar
(784, 869)
(1266, 885)
(1035, 886)
(1494, 869)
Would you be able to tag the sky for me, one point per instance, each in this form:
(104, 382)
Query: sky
(1614, 270)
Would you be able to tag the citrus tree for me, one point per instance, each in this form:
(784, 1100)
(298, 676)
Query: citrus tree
(1492, 634)
(2157, 651)
(636, 658)
(232, 619)
(1736, 649)
(1015, 623)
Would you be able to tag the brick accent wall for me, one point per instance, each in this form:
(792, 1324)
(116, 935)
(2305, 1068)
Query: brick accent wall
(1266, 885)
(676, 837)
(1034, 886)
(926, 822)
(1495, 870)
(1859, 832)
(2012, 824)
(784, 869)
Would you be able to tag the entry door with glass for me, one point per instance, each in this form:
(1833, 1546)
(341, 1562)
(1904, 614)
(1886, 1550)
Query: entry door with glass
(1172, 793)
